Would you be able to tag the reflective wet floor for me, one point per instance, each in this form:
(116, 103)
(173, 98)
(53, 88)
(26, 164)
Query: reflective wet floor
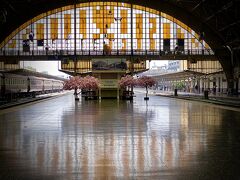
(157, 139)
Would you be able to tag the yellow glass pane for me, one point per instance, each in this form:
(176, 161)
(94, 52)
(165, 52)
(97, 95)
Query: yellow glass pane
(83, 23)
(54, 28)
(40, 31)
(153, 29)
(67, 25)
(124, 44)
(152, 44)
(124, 22)
(139, 43)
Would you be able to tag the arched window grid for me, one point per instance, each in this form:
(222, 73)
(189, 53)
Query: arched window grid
(105, 26)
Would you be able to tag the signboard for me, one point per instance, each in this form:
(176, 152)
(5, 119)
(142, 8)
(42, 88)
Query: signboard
(109, 64)
(109, 83)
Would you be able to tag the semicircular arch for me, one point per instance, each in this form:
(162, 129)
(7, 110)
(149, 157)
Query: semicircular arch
(161, 27)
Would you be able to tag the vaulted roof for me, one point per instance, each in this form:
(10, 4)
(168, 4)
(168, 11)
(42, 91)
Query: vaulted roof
(218, 19)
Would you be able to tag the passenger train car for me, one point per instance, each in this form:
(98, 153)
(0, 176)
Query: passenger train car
(13, 85)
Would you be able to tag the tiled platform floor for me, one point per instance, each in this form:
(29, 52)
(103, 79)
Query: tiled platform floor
(162, 138)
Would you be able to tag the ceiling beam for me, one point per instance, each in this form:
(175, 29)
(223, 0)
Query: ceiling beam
(223, 8)
(229, 25)
(199, 4)
(9, 5)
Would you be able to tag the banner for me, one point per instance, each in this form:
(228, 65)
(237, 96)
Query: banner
(109, 64)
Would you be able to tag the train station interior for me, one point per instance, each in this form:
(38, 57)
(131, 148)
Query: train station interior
(145, 90)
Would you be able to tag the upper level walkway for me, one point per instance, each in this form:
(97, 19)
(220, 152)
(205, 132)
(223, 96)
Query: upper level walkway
(90, 54)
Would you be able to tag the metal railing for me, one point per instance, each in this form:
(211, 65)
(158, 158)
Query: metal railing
(66, 52)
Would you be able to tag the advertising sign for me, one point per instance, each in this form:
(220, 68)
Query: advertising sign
(109, 64)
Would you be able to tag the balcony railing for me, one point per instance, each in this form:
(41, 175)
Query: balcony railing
(102, 52)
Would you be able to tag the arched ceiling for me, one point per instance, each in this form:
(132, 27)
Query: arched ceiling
(218, 19)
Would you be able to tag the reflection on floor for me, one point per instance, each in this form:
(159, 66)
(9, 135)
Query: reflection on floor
(111, 139)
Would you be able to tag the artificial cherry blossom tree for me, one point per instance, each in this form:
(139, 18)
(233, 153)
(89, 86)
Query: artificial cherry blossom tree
(87, 83)
(90, 83)
(146, 82)
(74, 83)
(126, 82)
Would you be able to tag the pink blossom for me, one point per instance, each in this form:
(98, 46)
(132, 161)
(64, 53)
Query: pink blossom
(90, 83)
(126, 81)
(146, 82)
(77, 82)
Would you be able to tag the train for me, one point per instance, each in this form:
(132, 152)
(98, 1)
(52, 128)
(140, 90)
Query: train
(15, 85)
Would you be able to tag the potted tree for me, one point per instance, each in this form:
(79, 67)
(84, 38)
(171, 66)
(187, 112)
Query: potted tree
(127, 83)
(178, 86)
(90, 85)
(74, 83)
(146, 82)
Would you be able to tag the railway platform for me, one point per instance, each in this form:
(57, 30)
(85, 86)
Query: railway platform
(26, 100)
(219, 99)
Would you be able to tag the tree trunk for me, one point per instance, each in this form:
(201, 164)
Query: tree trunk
(146, 91)
(75, 91)
(76, 94)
